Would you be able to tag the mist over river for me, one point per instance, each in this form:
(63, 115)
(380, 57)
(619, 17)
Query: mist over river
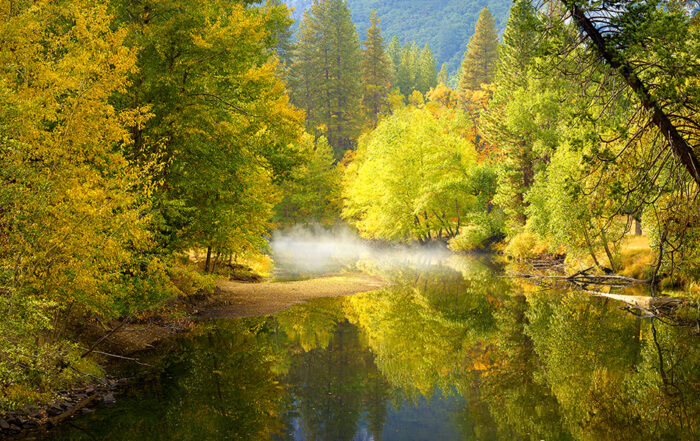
(317, 251)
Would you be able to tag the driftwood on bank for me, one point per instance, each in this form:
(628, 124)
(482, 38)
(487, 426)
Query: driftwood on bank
(73, 410)
(583, 279)
(663, 308)
(547, 262)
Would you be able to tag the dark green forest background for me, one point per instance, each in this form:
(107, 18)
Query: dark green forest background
(445, 25)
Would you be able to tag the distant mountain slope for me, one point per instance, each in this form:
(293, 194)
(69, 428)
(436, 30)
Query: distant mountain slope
(445, 25)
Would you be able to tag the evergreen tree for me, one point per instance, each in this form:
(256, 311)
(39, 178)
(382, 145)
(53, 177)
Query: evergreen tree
(406, 72)
(376, 69)
(479, 64)
(304, 76)
(414, 69)
(442, 77)
(310, 195)
(394, 52)
(501, 123)
(426, 77)
(478, 68)
(515, 55)
(326, 73)
(282, 35)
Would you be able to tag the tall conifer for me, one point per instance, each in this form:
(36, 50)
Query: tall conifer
(426, 77)
(394, 51)
(283, 36)
(479, 64)
(518, 160)
(303, 76)
(376, 69)
(516, 53)
(478, 68)
(442, 77)
(407, 70)
(326, 73)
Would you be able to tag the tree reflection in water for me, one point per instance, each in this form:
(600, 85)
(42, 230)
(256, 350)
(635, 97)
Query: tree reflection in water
(450, 353)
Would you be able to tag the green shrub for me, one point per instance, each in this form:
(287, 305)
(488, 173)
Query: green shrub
(191, 282)
(525, 245)
(34, 359)
(470, 238)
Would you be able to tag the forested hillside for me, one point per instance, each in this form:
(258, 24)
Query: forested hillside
(445, 25)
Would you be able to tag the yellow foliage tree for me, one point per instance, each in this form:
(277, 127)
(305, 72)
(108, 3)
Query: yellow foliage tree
(71, 210)
(414, 177)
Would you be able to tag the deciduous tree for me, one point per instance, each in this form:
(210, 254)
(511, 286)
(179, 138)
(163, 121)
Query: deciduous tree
(222, 119)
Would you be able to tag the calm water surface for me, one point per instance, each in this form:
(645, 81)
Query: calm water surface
(450, 352)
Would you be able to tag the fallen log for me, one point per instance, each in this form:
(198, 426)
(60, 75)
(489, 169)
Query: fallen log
(583, 279)
(72, 411)
(663, 308)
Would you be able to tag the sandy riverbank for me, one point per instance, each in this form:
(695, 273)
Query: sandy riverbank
(232, 299)
(236, 299)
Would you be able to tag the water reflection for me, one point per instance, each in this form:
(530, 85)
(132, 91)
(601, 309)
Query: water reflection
(450, 353)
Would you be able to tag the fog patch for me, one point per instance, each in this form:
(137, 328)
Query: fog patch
(314, 250)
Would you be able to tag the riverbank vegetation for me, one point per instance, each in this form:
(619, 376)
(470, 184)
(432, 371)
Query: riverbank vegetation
(134, 133)
(131, 132)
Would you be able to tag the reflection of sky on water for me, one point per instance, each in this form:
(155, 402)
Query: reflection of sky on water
(422, 420)
(363, 433)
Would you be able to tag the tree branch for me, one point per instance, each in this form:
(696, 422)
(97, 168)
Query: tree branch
(680, 147)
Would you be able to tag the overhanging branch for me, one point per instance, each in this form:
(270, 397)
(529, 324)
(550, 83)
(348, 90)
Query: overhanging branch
(680, 147)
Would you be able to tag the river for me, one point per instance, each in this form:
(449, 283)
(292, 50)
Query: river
(448, 352)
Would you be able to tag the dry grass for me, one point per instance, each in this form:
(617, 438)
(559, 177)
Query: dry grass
(636, 257)
(260, 264)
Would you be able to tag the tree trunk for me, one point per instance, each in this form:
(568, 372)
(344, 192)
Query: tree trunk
(216, 261)
(206, 264)
(459, 218)
(590, 247)
(637, 228)
(613, 266)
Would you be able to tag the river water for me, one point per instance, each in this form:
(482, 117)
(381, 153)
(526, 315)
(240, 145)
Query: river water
(449, 352)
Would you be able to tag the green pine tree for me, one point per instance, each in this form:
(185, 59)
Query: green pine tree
(376, 68)
(479, 64)
(311, 194)
(502, 124)
(394, 52)
(303, 76)
(516, 53)
(442, 77)
(407, 71)
(283, 35)
(326, 73)
(426, 77)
